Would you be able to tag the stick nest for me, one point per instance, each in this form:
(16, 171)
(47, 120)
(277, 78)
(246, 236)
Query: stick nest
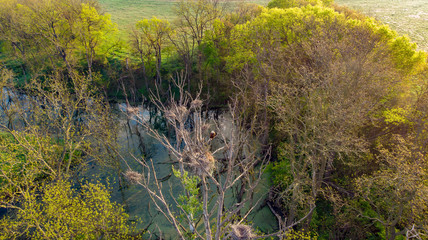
(133, 176)
(201, 162)
(241, 232)
(177, 113)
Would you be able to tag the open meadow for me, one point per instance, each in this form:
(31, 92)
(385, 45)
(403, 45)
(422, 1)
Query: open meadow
(127, 12)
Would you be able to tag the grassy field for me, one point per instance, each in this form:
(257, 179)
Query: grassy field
(127, 12)
(405, 16)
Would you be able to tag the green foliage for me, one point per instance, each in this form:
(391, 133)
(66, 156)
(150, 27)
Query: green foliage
(154, 29)
(48, 36)
(294, 25)
(296, 3)
(94, 32)
(151, 40)
(63, 212)
(53, 140)
(155, 34)
(25, 159)
(281, 170)
(300, 234)
(189, 202)
(12, 161)
(276, 27)
(396, 116)
(405, 56)
(323, 220)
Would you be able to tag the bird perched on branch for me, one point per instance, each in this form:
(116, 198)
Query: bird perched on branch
(213, 134)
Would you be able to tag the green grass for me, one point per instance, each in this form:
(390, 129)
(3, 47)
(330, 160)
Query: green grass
(405, 16)
(127, 12)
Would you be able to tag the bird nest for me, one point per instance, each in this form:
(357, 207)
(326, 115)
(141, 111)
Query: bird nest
(133, 176)
(177, 113)
(200, 162)
(196, 104)
(241, 232)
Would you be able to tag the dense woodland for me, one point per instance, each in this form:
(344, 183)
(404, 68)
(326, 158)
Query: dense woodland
(329, 105)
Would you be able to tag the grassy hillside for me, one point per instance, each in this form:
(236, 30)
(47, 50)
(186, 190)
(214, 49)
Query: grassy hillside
(405, 16)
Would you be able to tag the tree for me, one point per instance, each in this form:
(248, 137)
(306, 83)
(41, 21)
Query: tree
(322, 79)
(92, 30)
(53, 131)
(393, 196)
(51, 34)
(62, 212)
(156, 34)
(12, 30)
(194, 19)
(397, 193)
(30, 37)
(141, 47)
(51, 135)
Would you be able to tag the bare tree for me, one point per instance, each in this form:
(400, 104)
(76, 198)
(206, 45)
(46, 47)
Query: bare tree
(194, 18)
(224, 156)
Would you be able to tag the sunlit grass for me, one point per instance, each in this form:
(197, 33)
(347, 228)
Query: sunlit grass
(405, 16)
(127, 12)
